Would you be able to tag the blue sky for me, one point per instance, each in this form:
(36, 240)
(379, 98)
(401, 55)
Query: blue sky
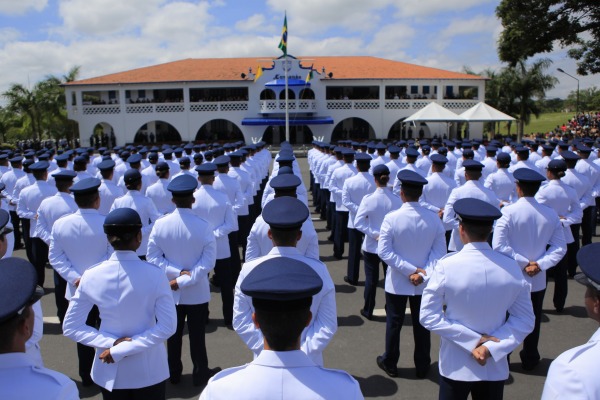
(41, 37)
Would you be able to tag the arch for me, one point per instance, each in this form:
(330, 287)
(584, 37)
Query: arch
(219, 130)
(267, 94)
(300, 134)
(306, 94)
(398, 130)
(291, 94)
(157, 132)
(103, 134)
(353, 128)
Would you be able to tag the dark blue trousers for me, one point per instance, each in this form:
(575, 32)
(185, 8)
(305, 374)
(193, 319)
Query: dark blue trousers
(355, 238)
(340, 233)
(372, 261)
(530, 355)
(395, 308)
(479, 390)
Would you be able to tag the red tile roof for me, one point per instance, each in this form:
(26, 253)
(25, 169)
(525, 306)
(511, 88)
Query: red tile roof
(230, 69)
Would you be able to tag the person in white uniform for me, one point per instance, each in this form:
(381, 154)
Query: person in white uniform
(353, 191)
(187, 267)
(30, 199)
(108, 190)
(259, 243)
(467, 300)
(411, 240)
(77, 242)
(137, 311)
(574, 374)
(531, 234)
(474, 188)
(502, 182)
(50, 210)
(437, 191)
(158, 193)
(285, 216)
(143, 205)
(563, 199)
(281, 291)
(370, 214)
(20, 377)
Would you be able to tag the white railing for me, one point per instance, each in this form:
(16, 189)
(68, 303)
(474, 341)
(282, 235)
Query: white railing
(100, 109)
(149, 108)
(352, 104)
(219, 106)
(459, 104)
(273, 106)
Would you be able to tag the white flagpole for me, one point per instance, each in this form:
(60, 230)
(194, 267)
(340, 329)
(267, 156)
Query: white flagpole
(287, 113)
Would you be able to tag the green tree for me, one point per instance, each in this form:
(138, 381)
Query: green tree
(41, 109)
(524, 85)
(536, 26)
(589, 99)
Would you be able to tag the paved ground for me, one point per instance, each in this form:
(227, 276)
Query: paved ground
(355, 345)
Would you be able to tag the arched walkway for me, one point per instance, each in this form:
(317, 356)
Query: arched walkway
(157, 132)
(398, 130)
(298, 134)
(306, 94)
(103, 135)
(354, 129)
(219, 130)
(291, 94)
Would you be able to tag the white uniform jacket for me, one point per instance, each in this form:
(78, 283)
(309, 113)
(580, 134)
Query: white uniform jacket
(410, 238)
(524, 231)
(260, 245)
(246, 186)
(160, 196)
(49, 211)
(20, 378)
(338, 177)
(214, 207)
(469, 294)
(582, 186)
(502, 183)
(574, 374)
(109, 192)
(135, 301)
(77, 242)
(289, 375)
(323, 325)
(371, 212)
(231, 187)
(563, 199)
(30, 199)
(471, 189)
(183, 241)
(353, 191)
(436, 193)
(148, 213)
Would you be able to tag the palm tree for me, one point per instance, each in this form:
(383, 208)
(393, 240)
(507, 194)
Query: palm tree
(524, 85)
(26, 102)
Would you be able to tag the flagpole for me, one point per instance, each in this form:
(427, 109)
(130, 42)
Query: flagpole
(287, 112)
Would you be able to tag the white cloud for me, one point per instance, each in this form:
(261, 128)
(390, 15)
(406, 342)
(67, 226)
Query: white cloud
(102, 17)
(8, 35)
(254, 23)
(178, 23)
(475, 25)
(390, 40)
(19, 7)
(313, 16)
(420, 8)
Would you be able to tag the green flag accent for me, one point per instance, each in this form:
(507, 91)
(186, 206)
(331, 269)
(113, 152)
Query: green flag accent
(284, 33)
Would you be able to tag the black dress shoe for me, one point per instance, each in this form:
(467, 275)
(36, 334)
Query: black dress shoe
(365, 315)
(422, 373)
(87, 381)
(202, 381)
(393, 372)
(347, 280)
(175, 379)
(338, 257)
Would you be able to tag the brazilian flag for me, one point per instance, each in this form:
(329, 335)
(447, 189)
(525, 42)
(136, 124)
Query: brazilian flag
(284, 32)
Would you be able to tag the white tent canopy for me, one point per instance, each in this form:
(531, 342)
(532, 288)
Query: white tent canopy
(481, 112)
(435, 113)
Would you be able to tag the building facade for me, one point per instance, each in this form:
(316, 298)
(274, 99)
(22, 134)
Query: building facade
(329, 98)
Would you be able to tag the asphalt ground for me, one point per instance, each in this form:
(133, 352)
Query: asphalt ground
(356, 344)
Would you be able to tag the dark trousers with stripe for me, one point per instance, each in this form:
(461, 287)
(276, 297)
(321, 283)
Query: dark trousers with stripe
(372, 262)
(196, 320)
(572, 249)
(84, 353)
(530, 355)
(561, 285)
(39, 250)
(224, 269)
(340, 234)
(588, 224)
(16, 222)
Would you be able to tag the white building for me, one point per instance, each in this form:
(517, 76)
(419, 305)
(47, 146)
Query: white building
(207, 100)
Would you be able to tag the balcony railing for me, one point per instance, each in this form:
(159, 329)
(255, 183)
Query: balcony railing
(352, 104)
(275, 106)
(206, 106)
